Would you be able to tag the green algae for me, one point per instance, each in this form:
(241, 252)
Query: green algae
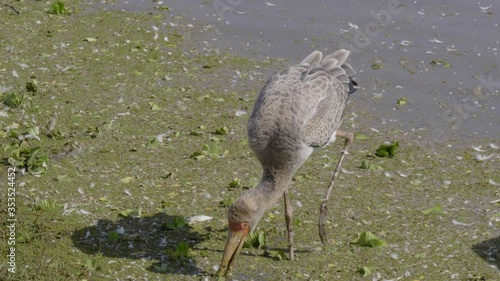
(101, 92)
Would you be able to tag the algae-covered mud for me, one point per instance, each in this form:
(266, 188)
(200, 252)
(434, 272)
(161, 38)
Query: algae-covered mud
(127, 132)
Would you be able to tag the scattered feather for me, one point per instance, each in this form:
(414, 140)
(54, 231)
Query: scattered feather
(270, 4)
(199, 218)
(80, 191)
(484, 9)
(240, 113)
(434, 40)
(159, 138)
(126, 191)
(493, 182)
(22, 65)
(450, 49)
(446, 182)
(455, 222)
(14, 73)
(84, 212)
(480, 157)
(299, 204)
(29, 136)
(493, 146)
(352, 25)
(120, 230)
(478, 148)
(387, 174)
(405, 43)
(346, 171)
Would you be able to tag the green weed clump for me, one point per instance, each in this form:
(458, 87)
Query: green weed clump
(387, 150)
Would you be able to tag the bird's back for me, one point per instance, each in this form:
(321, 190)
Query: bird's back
(300, 108)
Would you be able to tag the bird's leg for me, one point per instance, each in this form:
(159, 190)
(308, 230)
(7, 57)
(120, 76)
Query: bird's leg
(289, 222)
(323, 209)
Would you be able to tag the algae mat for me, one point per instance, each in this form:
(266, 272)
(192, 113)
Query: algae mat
(121, 129)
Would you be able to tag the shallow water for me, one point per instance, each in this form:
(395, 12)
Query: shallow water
(433, 54)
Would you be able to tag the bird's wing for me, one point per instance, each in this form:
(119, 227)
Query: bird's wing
(278, 116)
(331, 77)
(302, 104)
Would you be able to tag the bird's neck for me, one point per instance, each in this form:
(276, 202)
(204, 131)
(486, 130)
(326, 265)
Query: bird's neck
(270, 189)
(273, 183)
(261, 198)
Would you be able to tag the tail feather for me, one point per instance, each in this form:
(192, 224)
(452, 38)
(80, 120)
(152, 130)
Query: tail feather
(340, 55)
(334, 64)
(348, 69)
(313, 58)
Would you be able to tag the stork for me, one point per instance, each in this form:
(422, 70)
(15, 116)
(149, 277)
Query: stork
(298, 110)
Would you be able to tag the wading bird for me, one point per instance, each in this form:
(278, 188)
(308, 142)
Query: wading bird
(298, 110)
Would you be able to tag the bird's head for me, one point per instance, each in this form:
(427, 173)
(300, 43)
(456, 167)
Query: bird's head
(243, 216)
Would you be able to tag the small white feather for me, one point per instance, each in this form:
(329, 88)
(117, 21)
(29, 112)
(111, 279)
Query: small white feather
(434, 40)
(478, 148)
(346, 171)
(480, 157)
(199, 218)
(84, 212)
(455, 222)
(493, 183)
(240, 113)
(120, 230)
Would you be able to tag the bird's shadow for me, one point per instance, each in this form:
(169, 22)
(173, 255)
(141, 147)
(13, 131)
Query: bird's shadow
(153, 238)
(489, 250)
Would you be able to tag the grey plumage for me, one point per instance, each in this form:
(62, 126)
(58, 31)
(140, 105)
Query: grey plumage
(298, 110)
(300, 107)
